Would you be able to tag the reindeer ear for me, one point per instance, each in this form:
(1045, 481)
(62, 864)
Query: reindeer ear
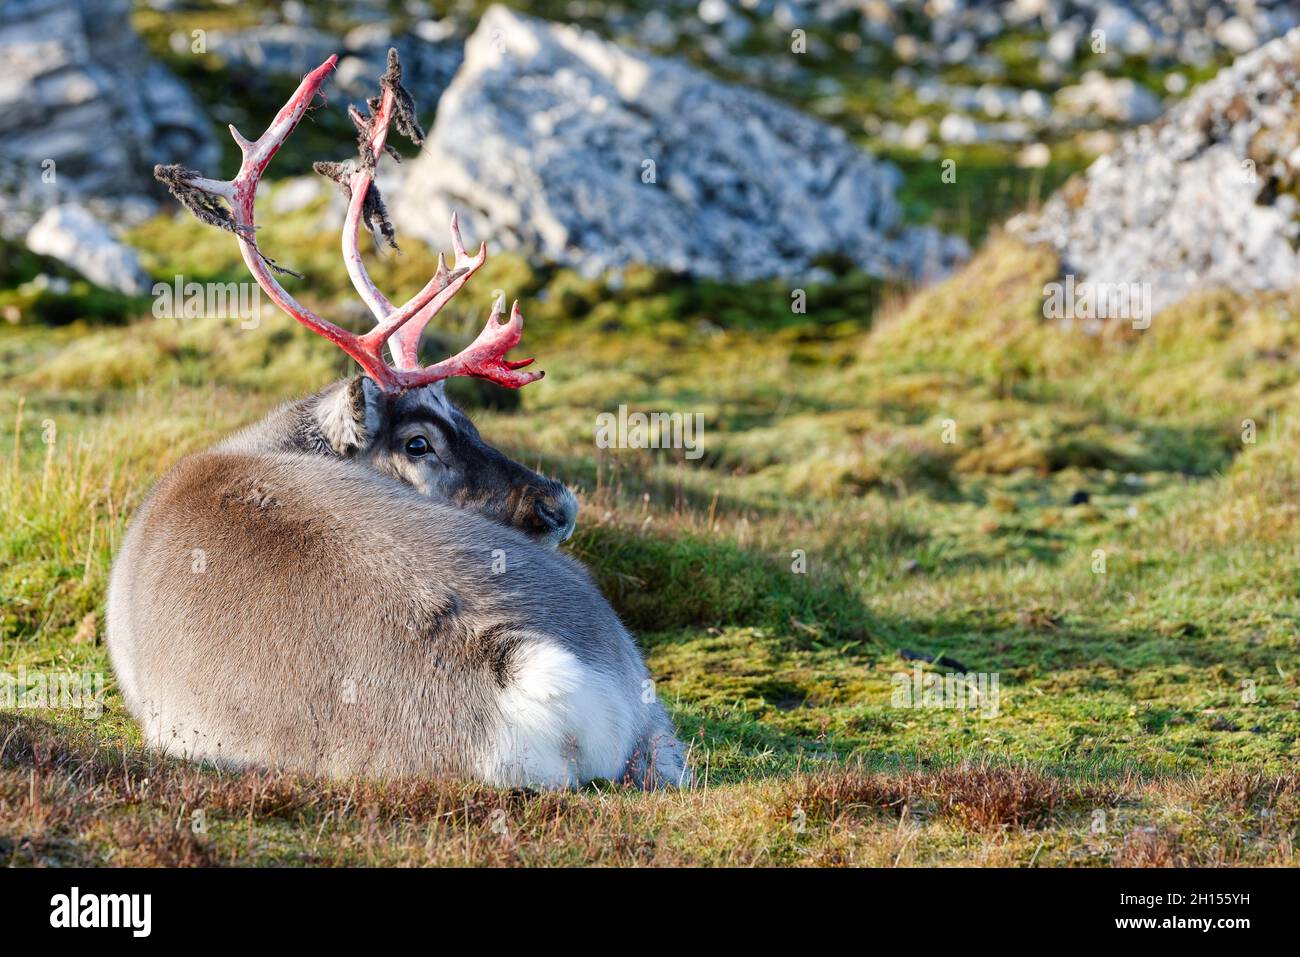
(349, 416)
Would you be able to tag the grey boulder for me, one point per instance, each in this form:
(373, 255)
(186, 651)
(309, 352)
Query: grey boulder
(70, 234)
(1204, 197)
(83, 111)
(571, 149)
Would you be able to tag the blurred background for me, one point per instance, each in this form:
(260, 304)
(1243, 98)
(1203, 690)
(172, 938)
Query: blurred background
(875, 244)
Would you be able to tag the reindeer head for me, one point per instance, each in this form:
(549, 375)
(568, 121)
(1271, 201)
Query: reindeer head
(418, 437)
(396, 418)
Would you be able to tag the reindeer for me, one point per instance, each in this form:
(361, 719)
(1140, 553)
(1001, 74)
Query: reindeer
(359, 585)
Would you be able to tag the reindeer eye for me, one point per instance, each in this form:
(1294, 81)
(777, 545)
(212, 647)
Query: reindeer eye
(417, 446)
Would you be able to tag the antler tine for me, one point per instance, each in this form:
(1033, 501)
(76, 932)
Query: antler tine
(195, 192)
(405, 344)
(364, 204)
(484, 358)
(358, 186)
(400, 327)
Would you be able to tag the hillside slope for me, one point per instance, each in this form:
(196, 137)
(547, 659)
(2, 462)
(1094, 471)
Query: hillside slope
(1155, 682)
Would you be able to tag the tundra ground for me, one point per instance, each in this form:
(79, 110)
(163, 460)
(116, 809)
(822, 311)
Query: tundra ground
(1103, 520)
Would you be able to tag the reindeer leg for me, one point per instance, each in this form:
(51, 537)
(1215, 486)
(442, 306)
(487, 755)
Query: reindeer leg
(658, 760)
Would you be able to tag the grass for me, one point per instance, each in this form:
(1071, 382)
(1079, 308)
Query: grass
(1081, 514)
(979, 813)
(1102, 519)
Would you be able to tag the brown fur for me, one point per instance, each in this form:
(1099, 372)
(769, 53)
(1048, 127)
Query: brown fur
(341, 623)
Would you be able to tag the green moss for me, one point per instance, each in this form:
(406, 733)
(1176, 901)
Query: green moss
(943, 472)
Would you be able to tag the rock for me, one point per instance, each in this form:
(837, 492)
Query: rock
(555, 142)
(916, 134)
(936, 32)
(83, 111)
(1099, 142)
(430, 52)
(658, 30)
(1119, 100)
(1062, 44)
(907, 48)
(1237, 35)
(295, 194)
(1123, 29)
(436, 31)
(714, 11)
(1034, 156)
(70, 234)
(281, 48)
(1205, 197)
(24, 195)
(1034, 105)
(995, 101)
(955, 128)
(960, 50)
(368, 35)
(427, 64)
(294, 12)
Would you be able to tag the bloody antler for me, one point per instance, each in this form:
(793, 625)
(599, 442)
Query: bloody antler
(400, 326)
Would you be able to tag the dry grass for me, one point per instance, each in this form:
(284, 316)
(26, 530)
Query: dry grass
(968, 795)
(64, 798)
(1124, 734)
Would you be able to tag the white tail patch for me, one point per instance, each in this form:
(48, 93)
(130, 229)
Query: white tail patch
(561, 723)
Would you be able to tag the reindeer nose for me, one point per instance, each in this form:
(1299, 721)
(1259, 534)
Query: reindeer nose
(559, 513)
